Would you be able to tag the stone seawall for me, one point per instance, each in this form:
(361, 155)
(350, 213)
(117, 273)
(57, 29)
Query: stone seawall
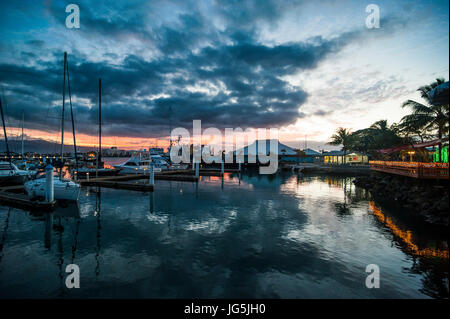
(426, 198)
(338, 169)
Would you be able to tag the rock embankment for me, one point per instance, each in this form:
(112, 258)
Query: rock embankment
(421, 197)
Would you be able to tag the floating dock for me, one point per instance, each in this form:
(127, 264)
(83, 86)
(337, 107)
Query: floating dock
(22, 201)
(144, 187)
(121, 181)
(13, 195)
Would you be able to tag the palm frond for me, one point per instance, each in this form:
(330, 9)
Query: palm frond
(418, 107)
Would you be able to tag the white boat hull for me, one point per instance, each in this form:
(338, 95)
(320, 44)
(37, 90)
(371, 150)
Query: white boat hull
(124, 170)
(63, 190)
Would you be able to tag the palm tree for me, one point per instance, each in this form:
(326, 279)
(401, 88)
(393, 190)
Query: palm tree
(341, 137)
(381, 125)
(427, 117)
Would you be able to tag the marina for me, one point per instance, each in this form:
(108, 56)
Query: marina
(163, 243)
(237, 156)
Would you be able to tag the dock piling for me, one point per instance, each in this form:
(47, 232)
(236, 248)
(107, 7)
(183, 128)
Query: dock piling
(197, 169)
(151, 175)
(49, 184)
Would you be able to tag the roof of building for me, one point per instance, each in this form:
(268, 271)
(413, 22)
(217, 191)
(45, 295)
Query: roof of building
(263, 147)
(310, 152)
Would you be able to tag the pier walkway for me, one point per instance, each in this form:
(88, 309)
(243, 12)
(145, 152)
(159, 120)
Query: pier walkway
(412, 169)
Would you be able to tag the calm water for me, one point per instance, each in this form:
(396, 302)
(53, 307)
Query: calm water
(278, 236)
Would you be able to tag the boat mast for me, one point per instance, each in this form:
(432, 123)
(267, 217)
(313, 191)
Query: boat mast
(62, 116)
(99, 155)
(4, 132)
(73, 121)
(23, 120)
(170, 128)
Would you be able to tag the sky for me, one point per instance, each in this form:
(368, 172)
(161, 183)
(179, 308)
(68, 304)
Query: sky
(304, 67)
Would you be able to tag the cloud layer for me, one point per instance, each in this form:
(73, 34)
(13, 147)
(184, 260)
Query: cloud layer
(161, 62)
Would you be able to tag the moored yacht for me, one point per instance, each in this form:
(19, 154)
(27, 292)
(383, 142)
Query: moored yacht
(101, 171)
(11, 175)
(139, 165)
(64, 189)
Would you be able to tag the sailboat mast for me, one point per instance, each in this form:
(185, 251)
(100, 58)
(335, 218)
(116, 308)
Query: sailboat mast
(62, 115)
(23, 120)
(73, 121)
(100, 119)
(4, 132)
(99, 154)
(170, 128)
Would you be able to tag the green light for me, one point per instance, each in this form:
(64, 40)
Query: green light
(444, 155)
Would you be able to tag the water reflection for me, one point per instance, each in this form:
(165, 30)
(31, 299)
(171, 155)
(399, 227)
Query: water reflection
(430, 255)
(4, 234)
(97, 213)
(287, 236)
(406, 237)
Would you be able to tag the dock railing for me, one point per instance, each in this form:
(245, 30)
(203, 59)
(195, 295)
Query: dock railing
(412, 169)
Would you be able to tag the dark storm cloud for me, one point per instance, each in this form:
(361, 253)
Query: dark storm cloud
(248, 73)
(237, 80)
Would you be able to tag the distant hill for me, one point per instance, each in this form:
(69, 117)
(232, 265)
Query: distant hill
(39, 146)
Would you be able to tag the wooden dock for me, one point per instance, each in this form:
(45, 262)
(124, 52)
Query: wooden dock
(122, 181)
(13, 195)
(412, 169)
(13, 189)
(23, 202)
(173, 177)
(143, 187)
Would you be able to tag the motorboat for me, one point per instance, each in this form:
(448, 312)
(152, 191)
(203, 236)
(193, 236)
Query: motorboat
(139, 165)
(11, 175)
(101, 171)
(64, 189)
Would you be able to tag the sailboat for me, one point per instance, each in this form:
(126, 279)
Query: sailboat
(9, 173)
(64, 189)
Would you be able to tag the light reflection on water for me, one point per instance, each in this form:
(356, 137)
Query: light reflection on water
(283, 236)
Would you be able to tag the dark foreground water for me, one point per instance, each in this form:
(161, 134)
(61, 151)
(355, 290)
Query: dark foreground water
(278, 236)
